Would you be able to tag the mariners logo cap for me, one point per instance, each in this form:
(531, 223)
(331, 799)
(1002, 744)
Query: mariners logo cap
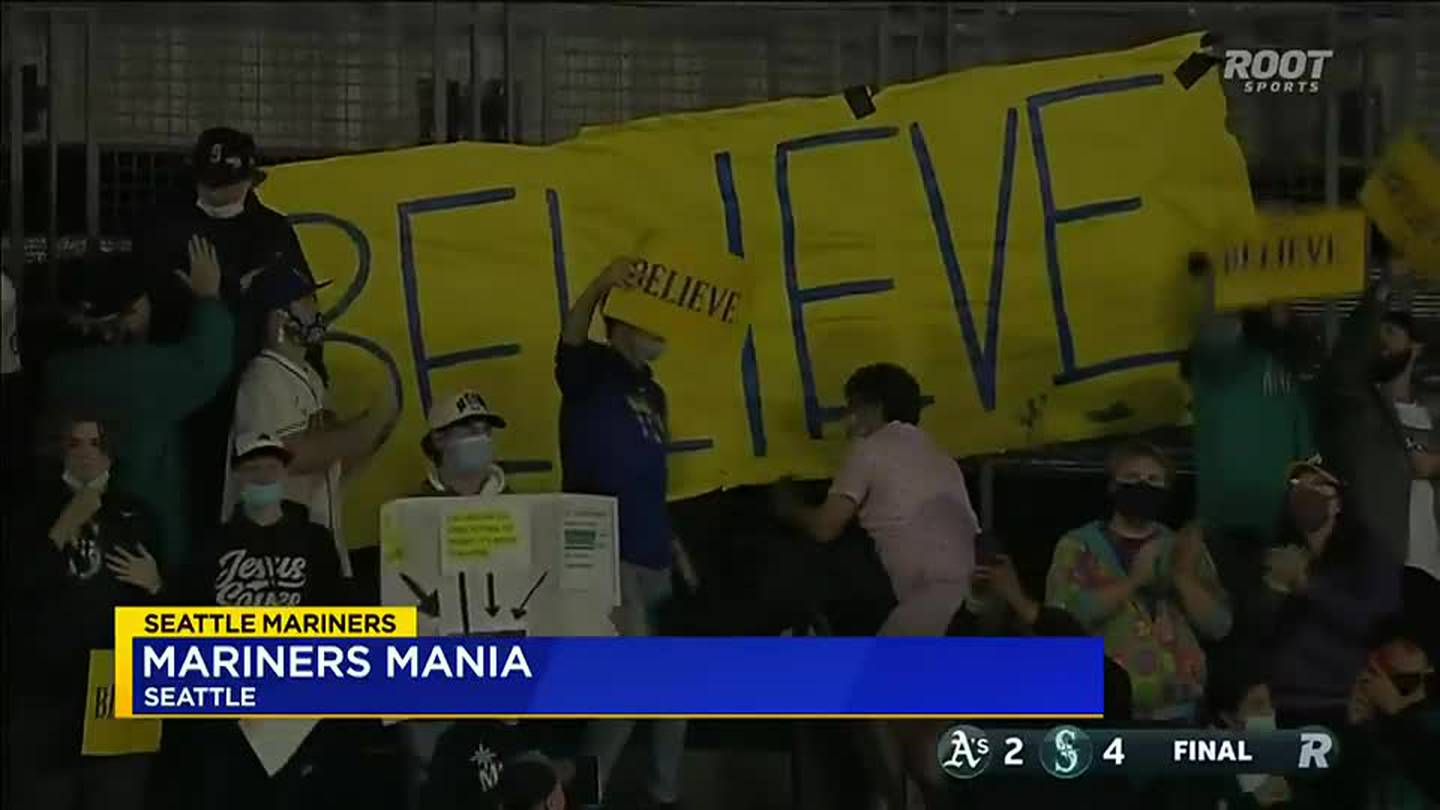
(253, 445)
(224, 156)
(460, 407)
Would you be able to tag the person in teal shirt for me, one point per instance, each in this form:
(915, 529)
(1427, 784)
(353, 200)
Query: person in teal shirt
(145, 390)
(1252, 418)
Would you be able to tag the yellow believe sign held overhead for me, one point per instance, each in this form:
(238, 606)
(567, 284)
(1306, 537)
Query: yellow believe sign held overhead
(1291, 255)
(1402, 195)
(677, 293)
(1015, 235)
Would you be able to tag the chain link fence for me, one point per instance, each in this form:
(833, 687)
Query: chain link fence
(112, 95)
(140, 80)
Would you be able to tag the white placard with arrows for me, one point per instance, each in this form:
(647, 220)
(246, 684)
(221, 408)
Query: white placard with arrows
(538, 564)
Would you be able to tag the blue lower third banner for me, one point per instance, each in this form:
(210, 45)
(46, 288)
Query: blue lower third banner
(589, 677)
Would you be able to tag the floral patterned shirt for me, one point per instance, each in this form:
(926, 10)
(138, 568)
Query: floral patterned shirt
(1151, 636)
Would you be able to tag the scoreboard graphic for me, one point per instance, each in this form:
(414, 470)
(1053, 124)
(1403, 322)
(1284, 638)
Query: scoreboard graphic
(1070, 752)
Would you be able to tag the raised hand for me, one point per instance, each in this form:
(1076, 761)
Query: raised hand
(82, 506)
(204, 276)
(1379, 691)
(620, 273)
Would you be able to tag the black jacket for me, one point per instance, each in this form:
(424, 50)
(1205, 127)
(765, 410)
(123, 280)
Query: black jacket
(1361, 437)
(258, 237)
(291, 563)
(62, 602)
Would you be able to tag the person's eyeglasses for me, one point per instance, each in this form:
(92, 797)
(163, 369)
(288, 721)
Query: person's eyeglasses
(1407, 683)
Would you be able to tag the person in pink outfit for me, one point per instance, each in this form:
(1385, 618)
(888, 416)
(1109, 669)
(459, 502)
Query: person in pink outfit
(910, 496)
(907, 493)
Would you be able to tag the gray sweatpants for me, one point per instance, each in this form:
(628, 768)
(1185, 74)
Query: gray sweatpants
(641, 591)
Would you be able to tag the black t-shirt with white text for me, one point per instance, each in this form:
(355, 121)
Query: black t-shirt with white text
(290, 563)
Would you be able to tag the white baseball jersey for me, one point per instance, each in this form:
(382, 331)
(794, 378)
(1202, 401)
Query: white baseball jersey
(280, 397)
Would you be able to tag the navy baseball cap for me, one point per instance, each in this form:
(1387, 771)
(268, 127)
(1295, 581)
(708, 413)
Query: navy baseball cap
(223, 156)
(277, 287)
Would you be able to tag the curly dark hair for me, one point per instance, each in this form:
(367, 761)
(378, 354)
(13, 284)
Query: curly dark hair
(891, 387)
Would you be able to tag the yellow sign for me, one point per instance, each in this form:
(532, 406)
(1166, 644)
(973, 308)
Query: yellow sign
(233, 622)
(1402, 195)
(471, 536)
(104, 735)
(675, 295)
(392, 543)
(1015, 235)
(1291, 255)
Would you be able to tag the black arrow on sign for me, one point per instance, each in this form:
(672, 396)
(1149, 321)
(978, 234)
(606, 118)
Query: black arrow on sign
(428, 603)
(520, 612)
(491, 608)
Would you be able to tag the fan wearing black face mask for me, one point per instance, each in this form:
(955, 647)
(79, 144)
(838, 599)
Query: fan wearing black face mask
(1150, 592)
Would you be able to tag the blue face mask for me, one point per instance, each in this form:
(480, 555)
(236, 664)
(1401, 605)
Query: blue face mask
(467, 456)
(255, 497)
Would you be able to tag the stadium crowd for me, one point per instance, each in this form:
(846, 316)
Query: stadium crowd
(189, 456)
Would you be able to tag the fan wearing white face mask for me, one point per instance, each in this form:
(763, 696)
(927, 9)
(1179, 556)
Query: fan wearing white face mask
(1237, 697)
(77, 550)
(461, 448)
(224, 206)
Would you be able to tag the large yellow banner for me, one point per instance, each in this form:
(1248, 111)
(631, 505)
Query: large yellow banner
(1015, 235)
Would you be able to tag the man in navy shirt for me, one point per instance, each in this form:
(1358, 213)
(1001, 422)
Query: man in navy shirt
(613, 433)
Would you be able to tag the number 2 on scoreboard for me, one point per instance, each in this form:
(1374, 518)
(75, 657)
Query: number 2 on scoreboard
(1115, 751)
(1012, 755)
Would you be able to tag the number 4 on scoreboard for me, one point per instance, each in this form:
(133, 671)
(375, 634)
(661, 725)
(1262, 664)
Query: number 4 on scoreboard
(1115, 751)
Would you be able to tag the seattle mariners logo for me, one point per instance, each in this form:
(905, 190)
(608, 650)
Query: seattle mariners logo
(1066, 752)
